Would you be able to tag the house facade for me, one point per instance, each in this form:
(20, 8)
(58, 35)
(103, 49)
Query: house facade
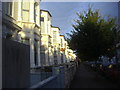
(63, 49)
(21, 23)
(46, 39)
(24, 22)
(56, 44)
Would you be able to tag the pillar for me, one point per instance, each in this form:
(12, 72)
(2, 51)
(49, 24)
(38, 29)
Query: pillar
(32, 63)
(39, 62)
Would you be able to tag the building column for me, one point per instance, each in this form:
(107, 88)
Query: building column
(49, 56)
(38, 51)
(46, 52)
(52, 55)
(32, 62)
(64, 57)
(58, 56)
(46, 56)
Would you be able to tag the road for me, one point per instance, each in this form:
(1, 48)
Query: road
(86, 78)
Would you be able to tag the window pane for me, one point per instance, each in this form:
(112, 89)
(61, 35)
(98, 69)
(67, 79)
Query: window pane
(42, 19)
(25, 15)
(26, 5)
(25, 40)
(42, 27)
(10, 9)
(54, 36)
(42, 58)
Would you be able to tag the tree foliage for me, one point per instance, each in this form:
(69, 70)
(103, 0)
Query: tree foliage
(93, 36)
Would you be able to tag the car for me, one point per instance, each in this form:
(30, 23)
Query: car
(96, 66)
(113, 72)
(103, 69)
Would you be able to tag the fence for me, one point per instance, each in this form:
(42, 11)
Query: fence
(16, 69)
(15, 64)
(61, 77)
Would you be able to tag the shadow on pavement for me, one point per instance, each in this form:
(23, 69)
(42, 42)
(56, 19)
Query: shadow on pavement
(87, 78)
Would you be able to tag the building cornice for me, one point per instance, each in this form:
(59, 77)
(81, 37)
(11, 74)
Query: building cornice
(55, 27)
(46, 11)
(8, 20)
(62, 36)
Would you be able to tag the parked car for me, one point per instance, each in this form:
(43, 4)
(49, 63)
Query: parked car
(95, 65)
(104, 69)
(114, 72)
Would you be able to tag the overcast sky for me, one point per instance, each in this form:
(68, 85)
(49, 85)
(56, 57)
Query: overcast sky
(63, 13)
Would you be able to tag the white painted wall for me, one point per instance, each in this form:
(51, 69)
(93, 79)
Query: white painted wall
(46, 33)
(28, 27)
(56, 43)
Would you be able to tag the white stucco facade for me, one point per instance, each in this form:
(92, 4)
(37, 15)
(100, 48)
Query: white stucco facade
(62, 49)
(67, 54)
(26, 23)
(46, 39)
(28, 20)
(25, 17)
(56, 44)
(71, 55)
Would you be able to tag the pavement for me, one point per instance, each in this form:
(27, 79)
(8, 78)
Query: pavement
(86, 78)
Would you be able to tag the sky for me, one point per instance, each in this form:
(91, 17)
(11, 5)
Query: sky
(64, 13)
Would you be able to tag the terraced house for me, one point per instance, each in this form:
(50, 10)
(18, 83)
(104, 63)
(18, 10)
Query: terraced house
(25, 24)
(21, 23)
(56, 44)
(46, 38)
(67, 54)
(63, 49)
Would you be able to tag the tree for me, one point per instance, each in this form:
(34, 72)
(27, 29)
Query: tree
(93, 36)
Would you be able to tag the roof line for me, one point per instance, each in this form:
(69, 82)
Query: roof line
(46, 11)
(55, 27)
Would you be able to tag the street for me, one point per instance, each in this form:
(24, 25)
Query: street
(86, 78)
